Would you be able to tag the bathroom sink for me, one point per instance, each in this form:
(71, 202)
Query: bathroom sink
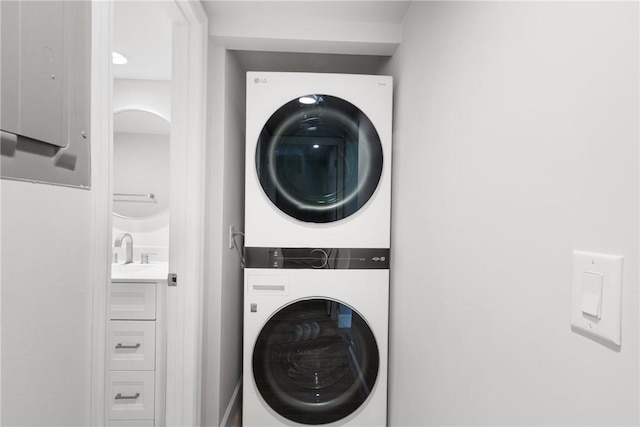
(133, 271)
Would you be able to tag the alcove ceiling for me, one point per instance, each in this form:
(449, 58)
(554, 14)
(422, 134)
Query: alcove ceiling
(308, 35)
(293, 35)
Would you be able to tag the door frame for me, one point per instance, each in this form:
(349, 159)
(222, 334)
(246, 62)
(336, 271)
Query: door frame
(186, 235)
(101, 137)
(184, 322)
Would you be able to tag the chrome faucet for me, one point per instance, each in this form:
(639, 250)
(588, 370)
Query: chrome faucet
(129, 246)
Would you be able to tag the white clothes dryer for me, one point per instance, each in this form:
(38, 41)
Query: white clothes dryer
(315, 345)
(318, 160)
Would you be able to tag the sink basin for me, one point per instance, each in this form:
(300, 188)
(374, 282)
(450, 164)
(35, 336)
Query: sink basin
(133, 271)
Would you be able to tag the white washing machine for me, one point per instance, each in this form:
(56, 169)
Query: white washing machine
(315, 342)
(318, 160)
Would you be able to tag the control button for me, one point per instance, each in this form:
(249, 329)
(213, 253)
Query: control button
(320, 258)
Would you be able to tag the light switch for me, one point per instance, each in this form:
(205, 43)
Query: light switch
(591, 294)
(596, 295)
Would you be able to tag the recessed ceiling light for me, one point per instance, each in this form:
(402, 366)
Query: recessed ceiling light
(118, 59)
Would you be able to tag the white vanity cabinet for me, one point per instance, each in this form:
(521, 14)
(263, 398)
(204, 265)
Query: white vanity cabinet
(136, 362)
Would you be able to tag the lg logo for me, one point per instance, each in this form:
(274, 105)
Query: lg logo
(257, 80)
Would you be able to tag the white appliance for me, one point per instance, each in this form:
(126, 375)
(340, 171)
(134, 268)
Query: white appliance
(318, 160)
(315, 346)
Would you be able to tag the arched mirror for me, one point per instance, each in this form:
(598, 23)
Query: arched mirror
(140, 164)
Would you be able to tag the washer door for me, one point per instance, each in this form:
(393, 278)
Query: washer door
(315, 361)
(319, 158)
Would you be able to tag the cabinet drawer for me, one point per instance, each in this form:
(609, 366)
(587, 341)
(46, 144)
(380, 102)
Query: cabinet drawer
(131, 395)
(133, 301)
(132, 345)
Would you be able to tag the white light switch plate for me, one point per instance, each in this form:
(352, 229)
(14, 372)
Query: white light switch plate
(597, 310)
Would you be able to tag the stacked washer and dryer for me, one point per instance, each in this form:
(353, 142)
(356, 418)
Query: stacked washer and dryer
(317, 244)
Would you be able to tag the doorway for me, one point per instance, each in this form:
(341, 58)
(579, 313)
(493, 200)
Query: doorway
(182, 222)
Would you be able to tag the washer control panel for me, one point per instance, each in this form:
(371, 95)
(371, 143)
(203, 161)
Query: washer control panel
(317, 258)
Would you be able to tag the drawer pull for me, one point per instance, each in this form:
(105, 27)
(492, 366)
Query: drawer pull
(128, 346)
(119, 396)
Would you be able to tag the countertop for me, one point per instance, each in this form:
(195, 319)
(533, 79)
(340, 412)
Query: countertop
(140, 272)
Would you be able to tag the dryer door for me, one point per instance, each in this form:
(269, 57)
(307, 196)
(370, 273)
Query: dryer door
(315, 361)
(319, 158)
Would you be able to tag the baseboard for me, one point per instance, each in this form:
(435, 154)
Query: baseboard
(233, 407)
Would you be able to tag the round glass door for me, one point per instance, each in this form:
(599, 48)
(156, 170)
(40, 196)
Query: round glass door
(315, 361)
(319, 158)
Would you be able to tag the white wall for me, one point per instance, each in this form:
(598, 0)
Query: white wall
(149, 235)
(222, 330)
(46, 304)
(516, 142)
(233, 215)
(48, 284)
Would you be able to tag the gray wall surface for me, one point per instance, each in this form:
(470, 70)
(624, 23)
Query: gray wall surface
(516, 142)
(222, 329)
